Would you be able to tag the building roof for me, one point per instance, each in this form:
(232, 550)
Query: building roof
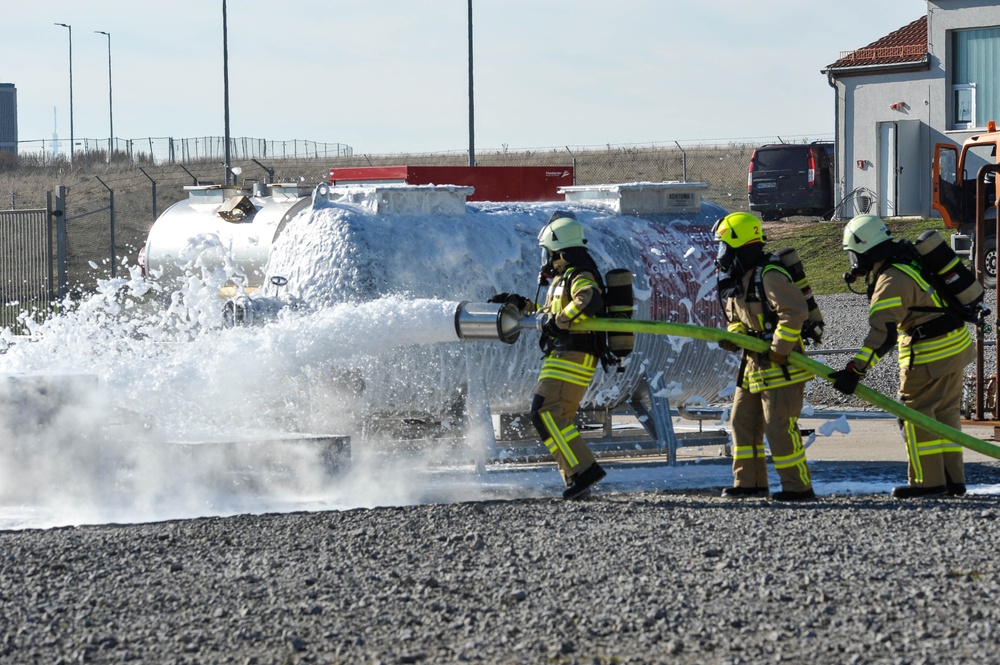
(906, 46)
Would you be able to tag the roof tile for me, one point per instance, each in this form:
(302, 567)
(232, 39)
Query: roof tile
(908, 44)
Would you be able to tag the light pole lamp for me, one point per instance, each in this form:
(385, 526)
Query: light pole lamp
(111, 113)
(72, 143)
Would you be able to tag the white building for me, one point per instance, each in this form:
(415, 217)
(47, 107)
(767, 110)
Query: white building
(936, 79)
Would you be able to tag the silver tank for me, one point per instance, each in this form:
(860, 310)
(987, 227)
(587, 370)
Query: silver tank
(359, 244)
(220, 227)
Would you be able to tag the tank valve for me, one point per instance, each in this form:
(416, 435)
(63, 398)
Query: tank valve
(491, 322)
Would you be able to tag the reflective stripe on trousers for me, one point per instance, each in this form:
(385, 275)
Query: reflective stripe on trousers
(560, 438)
(561, 369)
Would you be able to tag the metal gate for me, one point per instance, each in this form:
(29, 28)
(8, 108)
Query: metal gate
(26, 267)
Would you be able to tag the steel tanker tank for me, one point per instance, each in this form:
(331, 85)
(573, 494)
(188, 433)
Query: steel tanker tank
(360, 244)
(220, 227)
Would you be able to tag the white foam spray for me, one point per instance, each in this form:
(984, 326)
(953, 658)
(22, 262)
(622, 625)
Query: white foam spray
(138, 406)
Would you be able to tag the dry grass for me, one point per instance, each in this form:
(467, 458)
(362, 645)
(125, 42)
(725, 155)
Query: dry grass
(138, 202)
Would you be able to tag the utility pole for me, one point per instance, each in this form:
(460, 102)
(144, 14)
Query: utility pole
(72, 142)
(225, 87)
(111, 114)
(472, 115)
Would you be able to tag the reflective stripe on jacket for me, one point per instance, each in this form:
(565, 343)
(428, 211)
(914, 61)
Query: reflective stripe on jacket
(898, 290)
(791, 310)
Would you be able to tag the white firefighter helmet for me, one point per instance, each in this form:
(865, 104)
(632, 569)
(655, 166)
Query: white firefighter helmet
(562, 231)
(865, 232)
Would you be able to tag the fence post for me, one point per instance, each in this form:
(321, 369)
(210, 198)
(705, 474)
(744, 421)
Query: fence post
(270, 171)
(194, 179)
(154, 191)
(111, 206)
(574, 163)
(59, 213)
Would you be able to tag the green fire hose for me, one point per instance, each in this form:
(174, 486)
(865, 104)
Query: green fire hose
(799, 360)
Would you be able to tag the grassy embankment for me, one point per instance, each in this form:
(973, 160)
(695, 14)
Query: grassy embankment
(819, 246)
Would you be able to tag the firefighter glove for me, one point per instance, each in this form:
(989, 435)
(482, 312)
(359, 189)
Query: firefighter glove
(546, 324)
(519, 301)
(846, 380)
(777, 358)
(733, 327)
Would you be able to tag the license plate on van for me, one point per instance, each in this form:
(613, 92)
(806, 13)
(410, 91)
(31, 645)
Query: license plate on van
(766, 185)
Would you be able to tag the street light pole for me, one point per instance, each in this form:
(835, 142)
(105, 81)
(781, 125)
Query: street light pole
(472, 115)
(225, 88)
(111, 113)
(72, 143)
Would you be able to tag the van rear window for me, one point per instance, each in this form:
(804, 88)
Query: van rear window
(780, 159)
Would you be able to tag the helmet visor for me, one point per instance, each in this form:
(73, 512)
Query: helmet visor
(859, 263)
(724, 257)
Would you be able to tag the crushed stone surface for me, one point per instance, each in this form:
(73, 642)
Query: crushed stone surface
(645, 577)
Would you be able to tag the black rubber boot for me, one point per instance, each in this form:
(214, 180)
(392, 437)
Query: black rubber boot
(788, 495)
(744, 492)
(912, 491)
(582, 481)
(954, 489)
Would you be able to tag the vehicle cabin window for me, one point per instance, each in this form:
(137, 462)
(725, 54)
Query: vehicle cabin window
(947, 167)
(975, 77)
(780, 160)
(976, 157)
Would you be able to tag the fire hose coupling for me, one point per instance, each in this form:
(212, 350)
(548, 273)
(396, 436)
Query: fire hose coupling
(491, 322)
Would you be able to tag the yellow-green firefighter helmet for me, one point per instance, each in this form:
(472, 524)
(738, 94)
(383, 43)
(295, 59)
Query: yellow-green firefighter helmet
(738, 228)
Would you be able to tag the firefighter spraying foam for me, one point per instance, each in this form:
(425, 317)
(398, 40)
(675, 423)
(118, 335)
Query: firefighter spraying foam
(575, 293)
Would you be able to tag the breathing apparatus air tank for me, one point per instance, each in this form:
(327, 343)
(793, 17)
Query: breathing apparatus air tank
(813, 328)
(619, 304)
(956, 280)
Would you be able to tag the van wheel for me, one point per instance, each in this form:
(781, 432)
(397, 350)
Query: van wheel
(769, 217)
(990, 262)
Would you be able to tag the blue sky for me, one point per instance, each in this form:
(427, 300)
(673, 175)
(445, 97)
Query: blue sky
(392, 75)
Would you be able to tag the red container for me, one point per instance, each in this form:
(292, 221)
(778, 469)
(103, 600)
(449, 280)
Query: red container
(492, 183)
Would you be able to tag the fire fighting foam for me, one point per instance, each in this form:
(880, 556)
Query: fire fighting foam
(369, 328)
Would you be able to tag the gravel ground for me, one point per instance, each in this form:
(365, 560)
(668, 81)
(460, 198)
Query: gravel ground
(638, 578)
(651, 577)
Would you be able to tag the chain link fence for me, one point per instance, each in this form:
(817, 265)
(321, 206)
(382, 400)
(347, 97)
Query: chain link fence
(169, 150)
(123, 200)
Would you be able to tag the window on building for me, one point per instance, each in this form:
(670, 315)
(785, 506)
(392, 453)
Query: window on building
(964, 101)
(975, 77)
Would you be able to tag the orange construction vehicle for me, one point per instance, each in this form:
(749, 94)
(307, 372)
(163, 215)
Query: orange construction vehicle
(965, 194)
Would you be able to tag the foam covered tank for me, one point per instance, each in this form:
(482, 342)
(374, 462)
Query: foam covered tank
(224, 227)
(363, 243)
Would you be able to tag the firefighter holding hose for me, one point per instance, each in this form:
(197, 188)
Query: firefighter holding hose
(762, 300)
(934, 348)
(575, 293)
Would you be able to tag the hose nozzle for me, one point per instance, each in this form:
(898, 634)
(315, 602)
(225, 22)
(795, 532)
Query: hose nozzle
(491, 322)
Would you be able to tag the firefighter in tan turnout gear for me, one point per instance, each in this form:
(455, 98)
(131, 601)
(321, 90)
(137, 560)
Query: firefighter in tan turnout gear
(934, 348)
(761, 299)
(571, 358)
